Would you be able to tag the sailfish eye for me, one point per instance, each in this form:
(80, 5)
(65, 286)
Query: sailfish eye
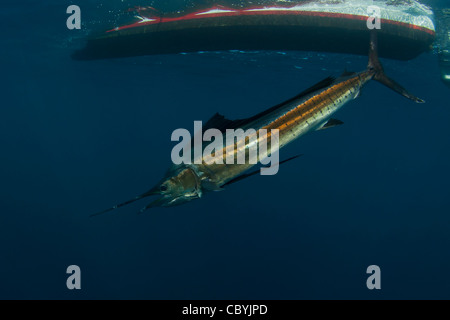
(163, 188)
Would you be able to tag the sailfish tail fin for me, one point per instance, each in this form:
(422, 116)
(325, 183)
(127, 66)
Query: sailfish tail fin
(380, 76)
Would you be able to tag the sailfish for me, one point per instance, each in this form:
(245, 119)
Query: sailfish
(311, 110)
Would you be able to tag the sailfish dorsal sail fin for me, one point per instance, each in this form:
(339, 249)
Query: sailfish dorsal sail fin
(218, 121)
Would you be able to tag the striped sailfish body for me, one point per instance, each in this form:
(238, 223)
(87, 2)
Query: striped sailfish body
(311, 110)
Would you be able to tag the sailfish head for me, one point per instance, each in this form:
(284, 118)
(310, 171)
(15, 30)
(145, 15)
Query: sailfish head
(181, 184)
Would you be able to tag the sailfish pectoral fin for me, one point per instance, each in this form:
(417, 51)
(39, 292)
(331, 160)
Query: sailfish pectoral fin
(247, 175)
(330, 124)
(155, 203)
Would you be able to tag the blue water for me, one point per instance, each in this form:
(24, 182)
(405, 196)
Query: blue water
(80, 136)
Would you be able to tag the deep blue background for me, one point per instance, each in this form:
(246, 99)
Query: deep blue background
(77, 137)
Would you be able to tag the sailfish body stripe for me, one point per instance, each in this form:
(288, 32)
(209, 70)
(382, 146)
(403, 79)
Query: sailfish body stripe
(293, 120)
(307, 115)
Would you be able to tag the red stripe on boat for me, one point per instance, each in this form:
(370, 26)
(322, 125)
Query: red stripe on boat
(250, 12)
